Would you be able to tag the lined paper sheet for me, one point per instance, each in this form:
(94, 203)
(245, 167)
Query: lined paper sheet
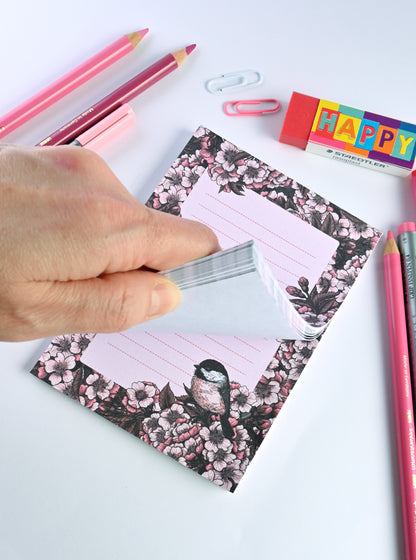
(292, 249)
(143, 356)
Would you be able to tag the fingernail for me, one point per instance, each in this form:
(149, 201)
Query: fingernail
(166, 296)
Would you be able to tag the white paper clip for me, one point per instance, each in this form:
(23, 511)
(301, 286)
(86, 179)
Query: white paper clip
(234, 80)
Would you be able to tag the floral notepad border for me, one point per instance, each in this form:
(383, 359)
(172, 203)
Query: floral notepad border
(176, 425)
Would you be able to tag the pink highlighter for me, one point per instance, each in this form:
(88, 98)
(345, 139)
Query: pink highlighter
(107, 129)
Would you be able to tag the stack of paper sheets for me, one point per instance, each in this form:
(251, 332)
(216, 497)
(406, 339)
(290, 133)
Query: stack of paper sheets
(233, 292)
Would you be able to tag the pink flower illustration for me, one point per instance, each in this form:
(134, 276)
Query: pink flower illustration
(155, 434)
(201, 131)
(360, 229)
(173, 178)
(327, 283)
(185, 430)
(343, 226)
(174, 451)
(316, 203)
(278, 179)
(192, 175)
(159, 437)
(268, 393)
(91, 404)
(170, 417)
(241, 401)
(222, 177)
(141, 395)
(151, 423)
(61, 345)
(303, 350)
(192, 448)
(46, 355)
(214, 438)
(80, 342)
(346, 278)
(173, 196)
(252, 172)
(240, 440)
(60, 368)
(220, 458)
(98, 386)
(227, 156)
(228, 477)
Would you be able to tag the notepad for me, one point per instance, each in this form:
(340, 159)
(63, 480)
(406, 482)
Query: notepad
(208, 399)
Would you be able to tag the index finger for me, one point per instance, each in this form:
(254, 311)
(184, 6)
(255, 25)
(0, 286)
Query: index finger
(170, 241)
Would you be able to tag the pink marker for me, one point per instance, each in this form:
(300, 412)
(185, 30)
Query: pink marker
(414, 183)
(402, 393)
(123, 94)
(106, 130)
(69, 82)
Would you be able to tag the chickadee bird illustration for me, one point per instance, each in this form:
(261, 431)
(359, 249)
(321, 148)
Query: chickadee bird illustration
(210, 388)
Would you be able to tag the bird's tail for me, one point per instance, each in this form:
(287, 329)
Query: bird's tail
(226, 427)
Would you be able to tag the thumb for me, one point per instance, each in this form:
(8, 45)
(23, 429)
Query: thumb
(109, 303)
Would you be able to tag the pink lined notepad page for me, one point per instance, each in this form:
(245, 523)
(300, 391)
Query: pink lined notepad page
(292, 248)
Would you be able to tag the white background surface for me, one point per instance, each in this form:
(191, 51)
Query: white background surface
(324, 484)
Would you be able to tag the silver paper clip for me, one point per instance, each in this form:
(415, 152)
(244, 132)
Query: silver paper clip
(234, 80)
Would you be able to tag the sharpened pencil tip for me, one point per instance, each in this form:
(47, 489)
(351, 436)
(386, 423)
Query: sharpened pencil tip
(390, 248)
(136, 37)
(190, 48)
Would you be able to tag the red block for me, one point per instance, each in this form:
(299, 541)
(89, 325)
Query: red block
(299, 120)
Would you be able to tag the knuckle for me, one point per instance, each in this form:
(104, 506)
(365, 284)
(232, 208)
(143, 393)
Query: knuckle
(20, 314)
(118, 312)
(72, 159)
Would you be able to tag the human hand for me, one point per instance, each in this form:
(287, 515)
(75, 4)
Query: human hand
(72, 239)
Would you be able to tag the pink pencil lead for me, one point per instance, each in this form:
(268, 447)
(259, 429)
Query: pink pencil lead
(190, 48)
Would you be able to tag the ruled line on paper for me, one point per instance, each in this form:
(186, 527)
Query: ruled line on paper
(156, 354)
(217, 230)
(246, 343)
(274, 264)
(206, 208)
(215, 355)
(134, 356)
(228, 348)
(161, 341)
(254, 216)
(257, 224)
(142, 363)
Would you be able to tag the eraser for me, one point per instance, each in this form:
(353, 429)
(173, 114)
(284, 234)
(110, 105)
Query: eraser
(407, 226)
(299, 120)
(352, 135)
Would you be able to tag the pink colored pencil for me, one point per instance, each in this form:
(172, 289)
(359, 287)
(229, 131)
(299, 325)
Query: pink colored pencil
(403, 404)
(123, 94)
(73, 79)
